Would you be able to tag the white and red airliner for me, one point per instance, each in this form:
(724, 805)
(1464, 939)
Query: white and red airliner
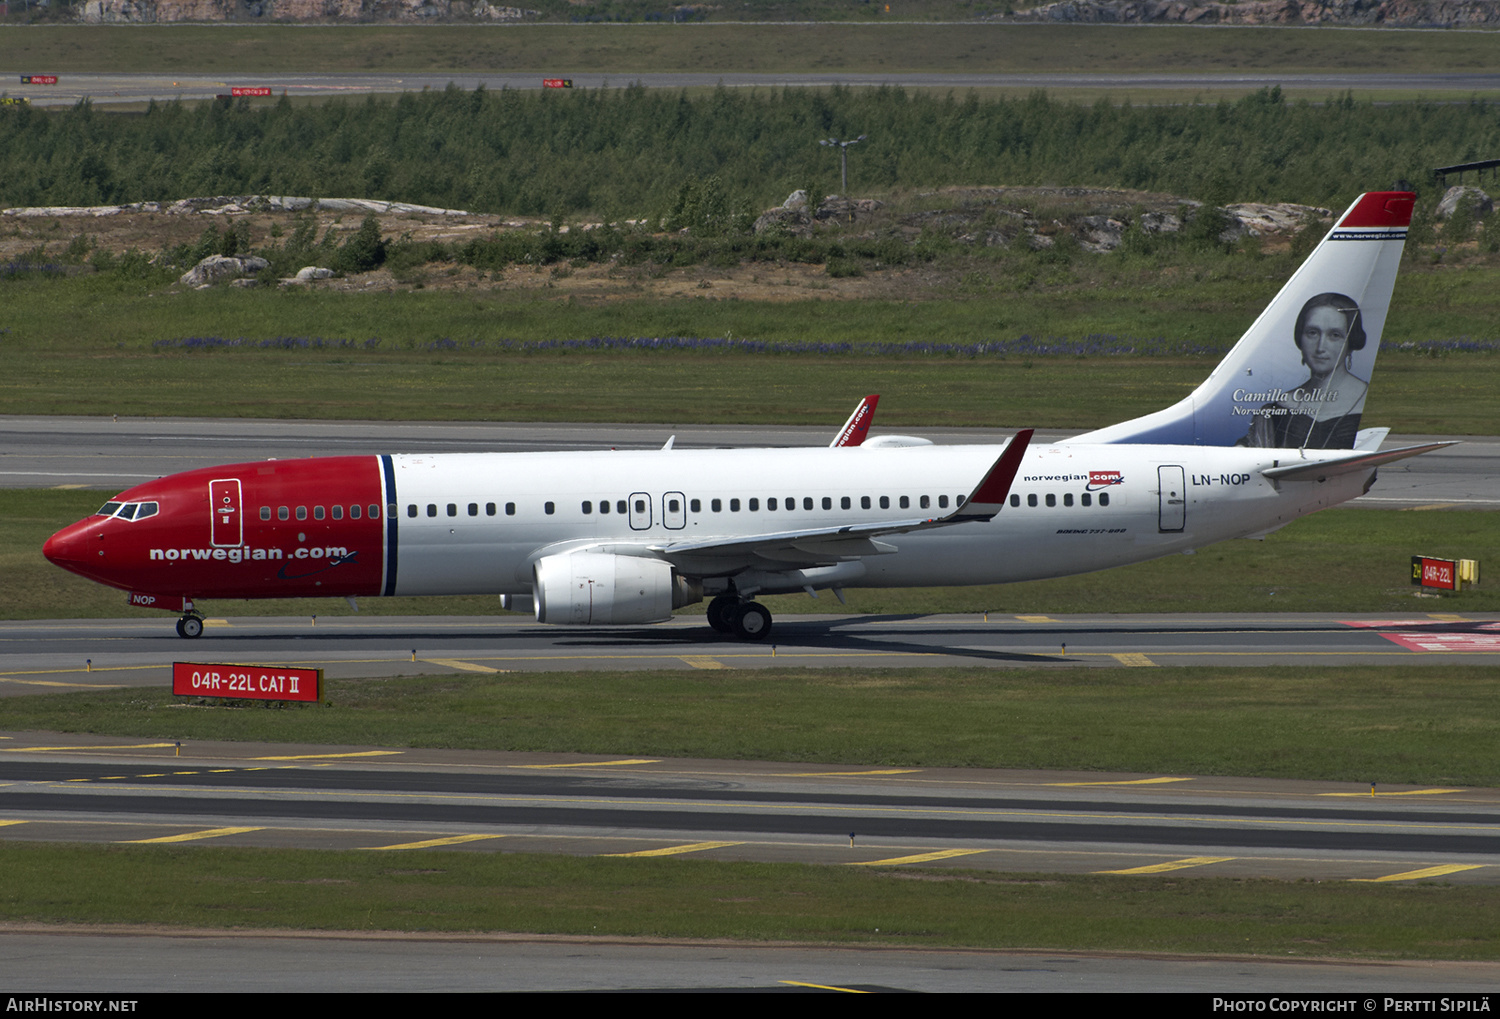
(625, 537)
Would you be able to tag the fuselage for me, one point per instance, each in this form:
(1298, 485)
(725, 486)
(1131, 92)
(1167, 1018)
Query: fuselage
(479, 523)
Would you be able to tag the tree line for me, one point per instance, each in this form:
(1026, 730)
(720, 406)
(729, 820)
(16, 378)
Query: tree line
(625, 153)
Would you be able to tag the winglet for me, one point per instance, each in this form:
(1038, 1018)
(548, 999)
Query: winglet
(987, 499)
(858, 426)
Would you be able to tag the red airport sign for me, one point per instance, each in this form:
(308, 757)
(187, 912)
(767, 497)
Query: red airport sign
(38, 79)
(557, 83)
(249, 90)
(255, 682)
(1439, 573)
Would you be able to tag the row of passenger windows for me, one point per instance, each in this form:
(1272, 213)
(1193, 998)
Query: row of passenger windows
(489, 509)
(356, 512)
(622, 506)
(1067, 500)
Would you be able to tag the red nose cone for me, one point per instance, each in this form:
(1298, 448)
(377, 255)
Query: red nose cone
(68, 548)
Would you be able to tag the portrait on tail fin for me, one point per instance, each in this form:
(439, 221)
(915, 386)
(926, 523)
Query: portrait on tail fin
(1323, 411)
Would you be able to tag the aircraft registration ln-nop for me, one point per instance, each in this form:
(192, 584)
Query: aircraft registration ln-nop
(626, 536)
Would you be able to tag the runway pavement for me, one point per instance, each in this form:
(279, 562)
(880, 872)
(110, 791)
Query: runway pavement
(96, 789)
(92, 789)
(60, 655)
(139, 88)
(109, 454)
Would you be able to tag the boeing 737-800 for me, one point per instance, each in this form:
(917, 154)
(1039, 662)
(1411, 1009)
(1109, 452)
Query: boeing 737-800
(625, 537)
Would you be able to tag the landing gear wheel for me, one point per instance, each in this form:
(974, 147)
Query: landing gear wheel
(189, 627)
(752, 622)
(721, 612)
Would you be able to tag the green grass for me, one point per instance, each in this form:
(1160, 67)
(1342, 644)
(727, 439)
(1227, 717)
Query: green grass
(85, 346)
(465, 892)
(890, 49)
(1343, 560)
(1397, 724)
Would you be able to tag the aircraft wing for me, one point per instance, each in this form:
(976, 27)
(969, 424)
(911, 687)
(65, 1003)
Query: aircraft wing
(819, 546)
(1320, 469)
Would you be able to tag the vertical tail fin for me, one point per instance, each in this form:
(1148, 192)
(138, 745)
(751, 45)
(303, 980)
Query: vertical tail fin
(1297, 378)
(858, 426)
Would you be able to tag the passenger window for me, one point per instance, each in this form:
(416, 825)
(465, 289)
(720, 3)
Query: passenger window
(1067, 498)
(510, 509)
(317, 512)
(925, 502)
(621, 507)
(432, 509)
(827, 502)
(694, 506)
(754, 505)
(1051, 499)
(337, 512)
(1087, 499)
(489, 509)
(301, 512)
(640, 505)
(1015, 500)
(588, 507)
(549, 508)
(473, 509)
(906, 502)
(603, 506)
(958, 500)
(1031, 499)
(282, 513)
(885, 502)
(265, 513)
(453, 509)
(715, 505)
(771, 504)
(734, 505)
(354, 512)
(1103, 498)
(942, 502)
(411, 510)
(864, 502)
(673, 506)
(844, 503)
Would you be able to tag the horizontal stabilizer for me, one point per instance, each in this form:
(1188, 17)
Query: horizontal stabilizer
(1320, 469)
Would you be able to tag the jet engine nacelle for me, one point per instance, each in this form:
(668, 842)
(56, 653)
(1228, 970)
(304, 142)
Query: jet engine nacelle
(593, 588)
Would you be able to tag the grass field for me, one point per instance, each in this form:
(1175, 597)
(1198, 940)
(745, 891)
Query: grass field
(871, 49)
(91, 346)
(462, 892)
(1396, 724)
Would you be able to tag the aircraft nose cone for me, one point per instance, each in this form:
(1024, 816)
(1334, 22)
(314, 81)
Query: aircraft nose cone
(68, 548)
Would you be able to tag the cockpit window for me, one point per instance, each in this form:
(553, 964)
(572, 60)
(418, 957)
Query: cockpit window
(127, 511)
(108, 509)
(148, 509)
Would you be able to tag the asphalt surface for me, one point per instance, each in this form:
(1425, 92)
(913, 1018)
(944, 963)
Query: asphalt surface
(96, 789)
(106, 88)
(110, 454)
(61, 655)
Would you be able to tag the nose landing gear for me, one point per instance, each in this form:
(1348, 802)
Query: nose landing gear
(190, 626)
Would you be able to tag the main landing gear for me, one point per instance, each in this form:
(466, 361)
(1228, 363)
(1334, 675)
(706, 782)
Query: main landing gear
(747, 620)
(190, 626)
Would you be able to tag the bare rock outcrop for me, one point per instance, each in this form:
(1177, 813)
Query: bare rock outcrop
(218, 268)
